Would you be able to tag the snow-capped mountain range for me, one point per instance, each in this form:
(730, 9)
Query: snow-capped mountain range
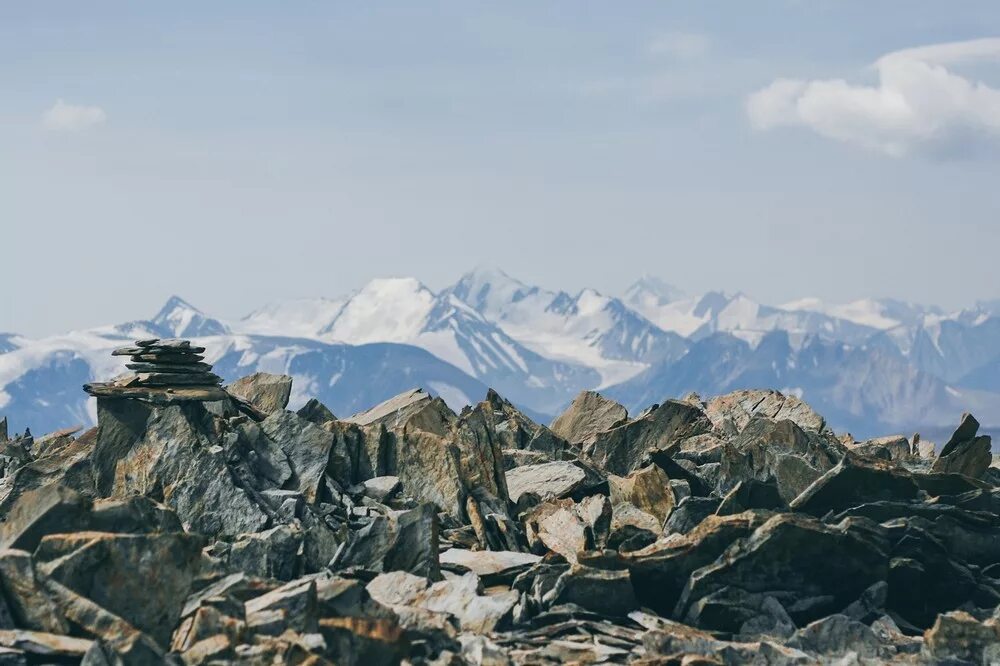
(870, 366)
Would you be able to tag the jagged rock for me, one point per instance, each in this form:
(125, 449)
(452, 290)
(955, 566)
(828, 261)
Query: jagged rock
(47, 510)
(750, 494)
(316, 412)
(171, 453)
(393, 412)
(600, 590)
(515, 431)
(647, 489)
(781, 451)
(406, 541)
(29, 605)
(780, 556)
(568, 528)
(855, 481)
(660, 571)
(837, 635)
(689, 513)
(732, 412)
(965, 453)
(959, 636)
(272, 553)
(268, 393)
(310, 450)
(623, 448)
(291, 606)
(108, 569)
(893, 447)
(590, 413)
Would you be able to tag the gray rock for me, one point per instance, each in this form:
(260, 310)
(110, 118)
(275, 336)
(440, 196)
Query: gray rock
(547, 480)
(732, 412)
(602, 591)
(47, 510)
(856, 481)
(268, 393)
(29, 604)
(109, 570)
(589, 414)
(316, 412)
(393, 411)
(403, 541)
(780, 556)
(172, 452)
(310, 451)
(837, 635)
(273, 553)
(781, 451)
(291, 606)
(624, 448)
(965, 453)
(381, 488)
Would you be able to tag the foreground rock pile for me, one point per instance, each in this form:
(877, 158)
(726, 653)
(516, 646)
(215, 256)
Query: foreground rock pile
(734, 530)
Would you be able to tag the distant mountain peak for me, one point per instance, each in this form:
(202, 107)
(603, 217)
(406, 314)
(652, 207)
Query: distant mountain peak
(653, 290)
(181, 319)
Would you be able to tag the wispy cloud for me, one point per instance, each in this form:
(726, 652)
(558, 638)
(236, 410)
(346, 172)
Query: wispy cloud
(681, 45)
(919, 104)
(63, 117)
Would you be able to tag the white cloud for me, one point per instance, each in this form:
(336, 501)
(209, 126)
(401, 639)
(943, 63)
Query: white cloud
(681, 45)
(917, 105)
(63, 117)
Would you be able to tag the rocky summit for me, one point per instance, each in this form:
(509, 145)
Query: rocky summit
(201, 524)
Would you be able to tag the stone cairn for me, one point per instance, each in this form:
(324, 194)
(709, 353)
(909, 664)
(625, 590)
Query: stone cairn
(162, 370)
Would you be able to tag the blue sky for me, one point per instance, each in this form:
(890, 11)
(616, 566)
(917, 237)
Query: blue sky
(239, 153)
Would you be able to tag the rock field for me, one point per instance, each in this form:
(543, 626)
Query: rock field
(199, 524)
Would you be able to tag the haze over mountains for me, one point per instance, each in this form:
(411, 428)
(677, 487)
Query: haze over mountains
(871, 366)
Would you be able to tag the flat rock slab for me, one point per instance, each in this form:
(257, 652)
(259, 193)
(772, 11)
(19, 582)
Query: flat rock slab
(547, 480)
(385, 411)
(186, 368)
(157, 395)
(44, 644)
(178, 378)
(488, 562)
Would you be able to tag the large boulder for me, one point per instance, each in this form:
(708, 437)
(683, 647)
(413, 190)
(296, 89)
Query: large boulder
(268, 393)
(780, 452)
(624, 448)
(780, 559)
(403, 541)
(661, 570)
(310, 451)
(856, 481)
(172, 454)
(730, 413)
(142, 578)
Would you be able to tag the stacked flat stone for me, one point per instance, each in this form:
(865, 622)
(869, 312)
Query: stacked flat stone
(161, 363)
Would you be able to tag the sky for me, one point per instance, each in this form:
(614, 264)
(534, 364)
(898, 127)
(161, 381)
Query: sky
(240, 153)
